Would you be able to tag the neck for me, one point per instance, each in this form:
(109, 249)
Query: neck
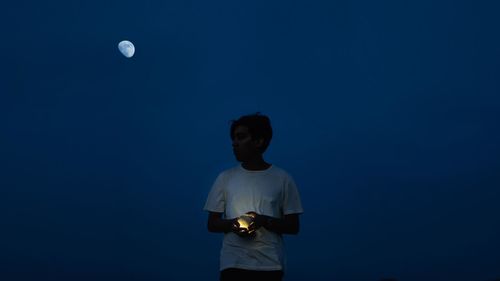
(255, 164)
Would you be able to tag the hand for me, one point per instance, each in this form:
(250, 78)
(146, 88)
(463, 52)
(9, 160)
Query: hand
(258, 221)
(241, 231)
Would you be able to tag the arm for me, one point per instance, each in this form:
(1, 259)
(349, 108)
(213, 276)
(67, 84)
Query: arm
(289, 224)
(217, 224)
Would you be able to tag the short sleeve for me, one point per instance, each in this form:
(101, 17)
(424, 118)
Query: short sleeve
(291, 198)
(216, 201)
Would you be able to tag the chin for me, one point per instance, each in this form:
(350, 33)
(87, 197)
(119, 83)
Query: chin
(238, 158)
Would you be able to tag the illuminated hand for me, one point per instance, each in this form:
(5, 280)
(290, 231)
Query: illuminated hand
(241, 226)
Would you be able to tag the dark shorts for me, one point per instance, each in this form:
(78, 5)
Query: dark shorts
(237, 274)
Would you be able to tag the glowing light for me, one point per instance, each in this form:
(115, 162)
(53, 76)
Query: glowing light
(245, 221)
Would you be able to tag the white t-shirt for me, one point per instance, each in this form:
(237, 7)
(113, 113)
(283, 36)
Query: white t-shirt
(271, 192)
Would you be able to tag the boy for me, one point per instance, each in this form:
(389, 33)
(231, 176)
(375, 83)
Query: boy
(263, 194)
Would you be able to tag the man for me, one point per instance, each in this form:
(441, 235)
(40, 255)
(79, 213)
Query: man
(263, 194)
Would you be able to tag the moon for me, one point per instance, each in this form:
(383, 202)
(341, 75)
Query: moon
(126, 48)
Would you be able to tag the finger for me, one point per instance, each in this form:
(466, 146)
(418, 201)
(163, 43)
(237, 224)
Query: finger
(242, 233)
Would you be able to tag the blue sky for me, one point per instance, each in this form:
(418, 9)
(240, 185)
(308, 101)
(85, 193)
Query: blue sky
(386, 115)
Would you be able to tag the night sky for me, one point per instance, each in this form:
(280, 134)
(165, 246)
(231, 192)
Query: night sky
(386, 114)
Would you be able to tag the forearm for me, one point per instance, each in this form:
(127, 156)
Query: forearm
(220, 225)
(281, 226)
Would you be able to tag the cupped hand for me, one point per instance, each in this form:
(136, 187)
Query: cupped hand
(257, 222)
(241, 231)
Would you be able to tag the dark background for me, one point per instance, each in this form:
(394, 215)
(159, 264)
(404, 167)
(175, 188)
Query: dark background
(385, 113)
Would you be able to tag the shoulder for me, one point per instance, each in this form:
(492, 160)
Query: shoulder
(224, 174)
(282, 173)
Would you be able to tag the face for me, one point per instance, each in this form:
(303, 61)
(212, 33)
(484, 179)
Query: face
(244, 147)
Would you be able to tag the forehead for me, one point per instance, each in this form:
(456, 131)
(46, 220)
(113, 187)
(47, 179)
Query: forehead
(241, 130)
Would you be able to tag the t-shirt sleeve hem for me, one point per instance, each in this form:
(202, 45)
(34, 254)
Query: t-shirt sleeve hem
(291, 212)
(247, 267)
(213, 210)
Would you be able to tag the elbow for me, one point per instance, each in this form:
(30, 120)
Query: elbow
(291, 225)
(294, 229)
(291, 230)
(213, 227)
(210, 227)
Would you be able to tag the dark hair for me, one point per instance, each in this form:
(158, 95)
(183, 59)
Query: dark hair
(259, 126)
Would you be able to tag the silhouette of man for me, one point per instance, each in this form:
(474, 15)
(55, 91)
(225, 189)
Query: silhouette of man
(253, 204)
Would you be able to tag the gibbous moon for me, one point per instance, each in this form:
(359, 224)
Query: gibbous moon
(126, 48)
